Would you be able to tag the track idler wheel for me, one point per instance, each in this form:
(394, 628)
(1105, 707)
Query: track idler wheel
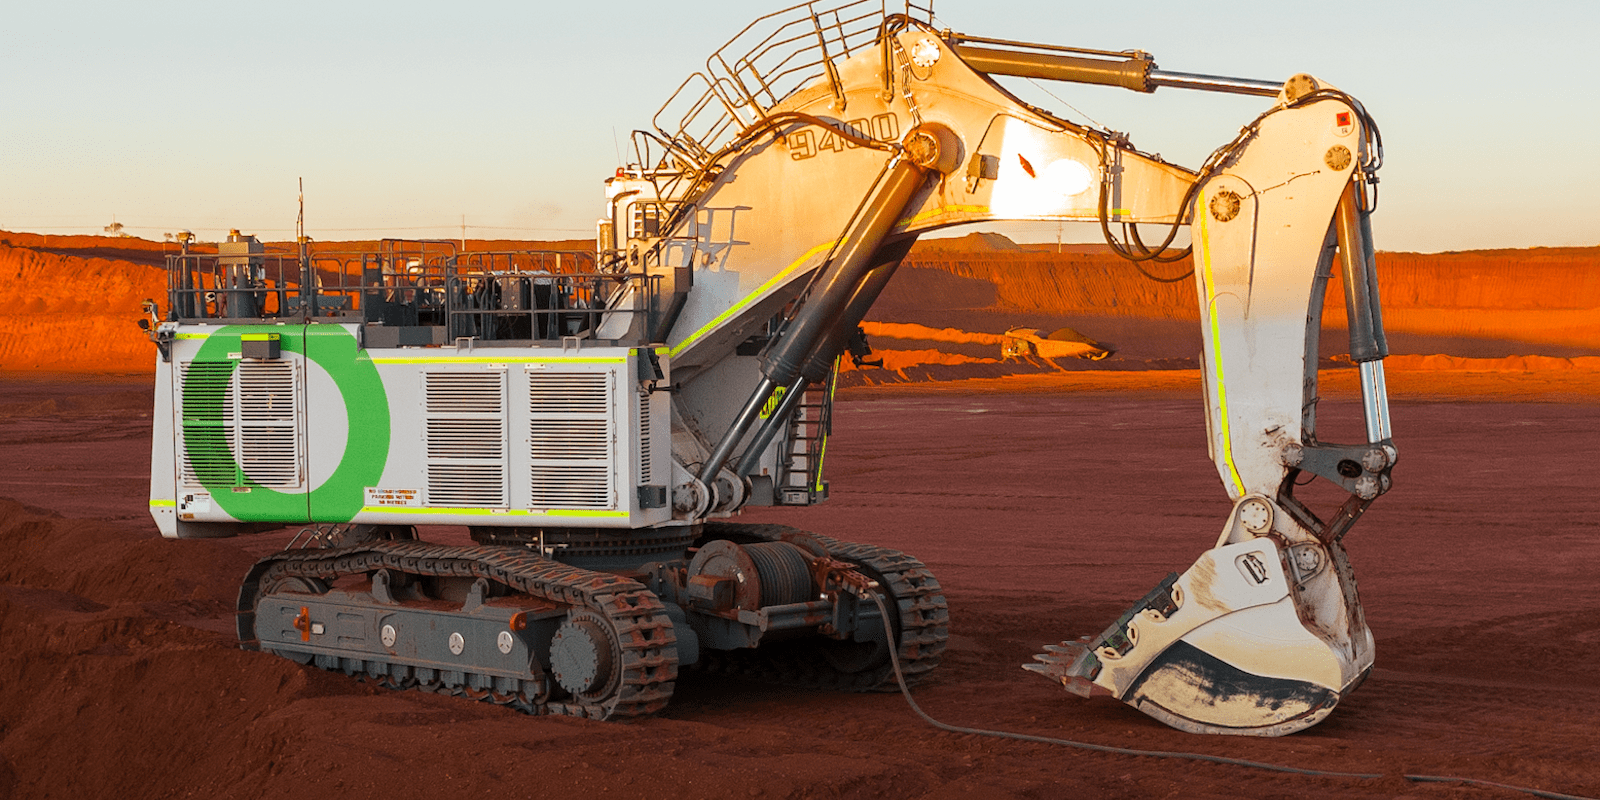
(584, 654)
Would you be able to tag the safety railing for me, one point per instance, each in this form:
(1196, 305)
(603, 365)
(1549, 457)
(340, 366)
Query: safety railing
(498, 296)
(773, 57)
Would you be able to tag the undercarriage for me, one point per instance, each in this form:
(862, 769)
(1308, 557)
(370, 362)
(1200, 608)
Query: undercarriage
(507, 624)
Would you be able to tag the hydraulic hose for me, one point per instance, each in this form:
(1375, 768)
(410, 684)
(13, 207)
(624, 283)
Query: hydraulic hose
(905, 691)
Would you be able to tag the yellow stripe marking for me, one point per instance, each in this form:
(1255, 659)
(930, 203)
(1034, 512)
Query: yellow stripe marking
(781, 276)
(496, 360)
(486, 512)
(833, 386)
(1216, 346)
(163, 504)
(941, 210)
(907, 222)
(191, 335)
(750, 298)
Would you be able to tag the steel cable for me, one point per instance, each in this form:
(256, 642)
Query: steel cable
(894, 660)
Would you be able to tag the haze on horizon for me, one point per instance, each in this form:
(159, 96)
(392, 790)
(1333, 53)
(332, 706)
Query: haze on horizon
(403, 118)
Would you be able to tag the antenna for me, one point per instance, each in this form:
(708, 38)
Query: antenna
(307, 294)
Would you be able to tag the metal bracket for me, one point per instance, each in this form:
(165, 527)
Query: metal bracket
(1362, 470)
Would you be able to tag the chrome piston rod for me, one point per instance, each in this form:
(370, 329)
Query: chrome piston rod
(1363, 313)
(1214, 83)
(1134, 71)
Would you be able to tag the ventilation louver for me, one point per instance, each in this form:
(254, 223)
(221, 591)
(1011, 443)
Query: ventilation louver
(244, 431)
(570, 440)
(465, 439)
(645, 473)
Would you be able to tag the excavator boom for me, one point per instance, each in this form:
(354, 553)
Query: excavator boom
(1264, 634)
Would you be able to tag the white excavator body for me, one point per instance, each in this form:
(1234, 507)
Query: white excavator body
(600, 417)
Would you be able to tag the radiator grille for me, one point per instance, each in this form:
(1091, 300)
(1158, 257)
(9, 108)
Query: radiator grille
(570, 440)
(572, 487)
(572, 393)
(573, 440)
(470, 485)
(465, 438)
(268, 433)
(465, 392)
(207, 422)
(644, 439)
(244, 432)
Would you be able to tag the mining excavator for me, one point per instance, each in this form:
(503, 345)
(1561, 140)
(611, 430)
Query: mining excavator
(595, 421)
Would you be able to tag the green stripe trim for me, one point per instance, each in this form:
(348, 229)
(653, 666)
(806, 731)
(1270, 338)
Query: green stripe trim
(163, 504)
(191, 335)
(503, 360)
(751, 298)
(489, 512)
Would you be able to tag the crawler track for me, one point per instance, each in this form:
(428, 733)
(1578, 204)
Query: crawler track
(922, 626)
(648, 658)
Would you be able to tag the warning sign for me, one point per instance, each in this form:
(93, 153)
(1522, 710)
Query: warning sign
(393, 497)
(1343, 124)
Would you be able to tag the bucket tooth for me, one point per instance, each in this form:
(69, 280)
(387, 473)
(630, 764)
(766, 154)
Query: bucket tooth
(1072, 664)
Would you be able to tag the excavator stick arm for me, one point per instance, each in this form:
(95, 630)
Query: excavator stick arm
(1267, 634)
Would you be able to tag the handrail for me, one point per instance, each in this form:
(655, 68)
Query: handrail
(770, 59)
(499, 294)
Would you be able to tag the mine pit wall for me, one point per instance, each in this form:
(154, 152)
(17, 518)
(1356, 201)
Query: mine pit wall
(70, 303)
(69, 313)
(1540, 296)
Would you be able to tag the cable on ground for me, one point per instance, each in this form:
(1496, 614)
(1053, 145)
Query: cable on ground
(894, 660)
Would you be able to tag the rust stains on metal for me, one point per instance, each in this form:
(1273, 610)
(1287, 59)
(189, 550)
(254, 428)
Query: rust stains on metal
(1201, 576)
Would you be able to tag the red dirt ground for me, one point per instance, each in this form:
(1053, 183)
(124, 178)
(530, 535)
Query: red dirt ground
(1045, 504)
(1044, 497)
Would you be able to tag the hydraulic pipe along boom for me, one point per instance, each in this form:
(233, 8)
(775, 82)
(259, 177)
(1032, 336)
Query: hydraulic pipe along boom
(1136, 72)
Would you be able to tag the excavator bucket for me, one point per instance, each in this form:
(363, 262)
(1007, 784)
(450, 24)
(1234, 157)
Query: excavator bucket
(1224, 648)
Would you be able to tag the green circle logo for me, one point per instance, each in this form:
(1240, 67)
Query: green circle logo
(366, 408)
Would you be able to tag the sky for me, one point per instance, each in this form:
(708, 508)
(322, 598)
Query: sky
(406, 118)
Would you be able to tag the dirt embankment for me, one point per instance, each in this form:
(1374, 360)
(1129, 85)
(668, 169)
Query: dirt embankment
(69, 304)
(1525, 312)
(1542, 295)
